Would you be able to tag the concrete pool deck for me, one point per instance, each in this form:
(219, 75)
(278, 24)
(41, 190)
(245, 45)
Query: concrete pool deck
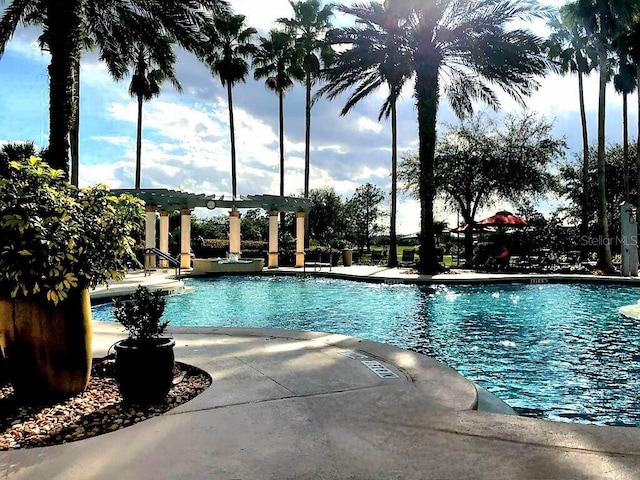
(296, 405)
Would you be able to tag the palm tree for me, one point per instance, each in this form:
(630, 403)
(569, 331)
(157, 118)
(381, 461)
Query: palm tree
(227, 56)
(65, 26)
(149, 71)
(278, 60)
(599, 18)
(310, 24)
(634, 34)
(624, 82)
(570, 49)
(376, 56)
(18, 151)
(463, 48)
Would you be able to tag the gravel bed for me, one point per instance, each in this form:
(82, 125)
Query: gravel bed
(97, 410)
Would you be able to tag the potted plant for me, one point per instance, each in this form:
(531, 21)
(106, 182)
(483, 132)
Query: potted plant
(56, 243)
(145, 360)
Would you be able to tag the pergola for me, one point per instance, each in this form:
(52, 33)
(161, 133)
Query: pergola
(166, 201)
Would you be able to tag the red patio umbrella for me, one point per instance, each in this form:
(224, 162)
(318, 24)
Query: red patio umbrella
(503, 219)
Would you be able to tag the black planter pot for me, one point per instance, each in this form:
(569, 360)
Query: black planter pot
(144, 371)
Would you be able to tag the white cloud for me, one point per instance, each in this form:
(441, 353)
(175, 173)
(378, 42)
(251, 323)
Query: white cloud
(366, 124)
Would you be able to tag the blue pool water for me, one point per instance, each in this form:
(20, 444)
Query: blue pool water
(561, 352)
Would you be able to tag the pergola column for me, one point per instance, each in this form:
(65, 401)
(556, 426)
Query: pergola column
(150, 236)
(164, 236)
(234, 232)
(273, 239)
(185, 238)
(300, 219)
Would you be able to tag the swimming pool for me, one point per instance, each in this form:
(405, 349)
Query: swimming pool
(556, 351)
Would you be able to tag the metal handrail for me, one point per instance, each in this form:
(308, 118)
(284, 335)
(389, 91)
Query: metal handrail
(164, 256)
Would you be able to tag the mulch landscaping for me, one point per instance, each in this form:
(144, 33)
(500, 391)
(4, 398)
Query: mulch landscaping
(97, 410)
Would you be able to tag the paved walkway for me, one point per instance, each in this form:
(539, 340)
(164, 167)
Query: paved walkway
(295, 405)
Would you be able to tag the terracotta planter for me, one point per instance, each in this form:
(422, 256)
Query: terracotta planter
(144, 371)
(47, 348)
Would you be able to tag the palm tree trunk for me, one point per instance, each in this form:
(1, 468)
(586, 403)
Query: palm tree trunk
(604, 251)
(584, 223)
(427, 102)
(307, 154)
(638, 148)
(74, 132)
(64, 46)
(139, 142)
(281, 108)
(232, 133)
(307, 136)
(625, 145)
(393, 239)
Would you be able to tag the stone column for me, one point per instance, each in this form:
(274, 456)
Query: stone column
(185, 238)
(273, 239)
(150, 236)
(300, 219)
(164, 236)
(234, 232)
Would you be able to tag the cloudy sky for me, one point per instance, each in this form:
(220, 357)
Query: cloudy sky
(186, 136)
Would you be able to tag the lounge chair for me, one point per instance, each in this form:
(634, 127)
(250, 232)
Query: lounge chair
(376, 257)
(408, 258)
(318, 259)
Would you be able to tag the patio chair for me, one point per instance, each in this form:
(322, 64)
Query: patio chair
(408, 258)
(376, 257)
(317, 259)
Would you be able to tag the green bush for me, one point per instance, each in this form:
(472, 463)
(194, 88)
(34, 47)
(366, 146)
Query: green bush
(141, 315)
(55, 237)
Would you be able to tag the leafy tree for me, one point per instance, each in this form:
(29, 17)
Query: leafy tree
(481, 161)
(375, 58)
(278, 60)
(213, 227)
(570, 48)
(464, 49)
(310, 23)
(226, 56)
(149, 71)
(254, 225)
(364, 213)
(571, 190)
(327, 221)
(66, 26)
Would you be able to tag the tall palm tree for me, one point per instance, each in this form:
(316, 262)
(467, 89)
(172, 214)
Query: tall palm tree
(310, 24)
(634, 34)
(464, 48)
(599, 18)
(624, 82)
(569, 47)
(226, 56)
(149, 72)
(278, 60)
(376, 56)
(66, 24)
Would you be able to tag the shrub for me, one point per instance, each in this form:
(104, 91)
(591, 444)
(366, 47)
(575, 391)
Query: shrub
(55, 237)
(141, 315)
